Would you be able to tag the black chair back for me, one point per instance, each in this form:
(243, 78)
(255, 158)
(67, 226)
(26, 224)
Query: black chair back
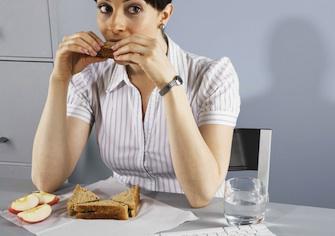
(251, 150)
(245, 149)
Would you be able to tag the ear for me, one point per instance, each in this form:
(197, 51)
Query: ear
(166, 13)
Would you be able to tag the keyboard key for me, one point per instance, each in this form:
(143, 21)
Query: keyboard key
(222, 233)
(244, 230)
(231, 229)
(196, 232)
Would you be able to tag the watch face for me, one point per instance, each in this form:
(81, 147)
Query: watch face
(179, 80)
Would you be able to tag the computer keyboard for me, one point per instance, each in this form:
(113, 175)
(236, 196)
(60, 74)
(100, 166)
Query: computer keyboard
(243, 230)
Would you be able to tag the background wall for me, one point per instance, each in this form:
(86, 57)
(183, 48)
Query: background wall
(284, 54)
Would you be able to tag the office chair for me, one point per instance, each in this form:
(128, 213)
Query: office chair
(251, 150)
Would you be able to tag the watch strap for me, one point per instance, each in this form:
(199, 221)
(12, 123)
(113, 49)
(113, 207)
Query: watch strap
(176, 81)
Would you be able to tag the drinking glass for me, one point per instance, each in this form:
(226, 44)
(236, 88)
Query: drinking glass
(245, 201)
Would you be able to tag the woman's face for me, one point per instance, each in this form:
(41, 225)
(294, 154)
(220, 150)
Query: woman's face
(118, 19)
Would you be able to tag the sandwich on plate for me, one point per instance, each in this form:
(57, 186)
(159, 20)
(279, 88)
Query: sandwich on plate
(85, 204)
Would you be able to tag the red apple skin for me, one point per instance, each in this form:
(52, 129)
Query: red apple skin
(54, 201)
(15, 211)
(11, 210)
(34, 222)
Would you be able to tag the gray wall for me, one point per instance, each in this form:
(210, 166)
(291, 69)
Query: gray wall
(284, 54)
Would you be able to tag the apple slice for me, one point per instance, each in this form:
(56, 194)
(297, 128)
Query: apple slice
(13, 211)
(36, 214)
(46, 198)
(24, 203)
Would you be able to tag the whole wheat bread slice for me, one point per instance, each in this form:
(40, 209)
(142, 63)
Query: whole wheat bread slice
(103, 209)
(130, 197)
(106, 50)
(80, 195)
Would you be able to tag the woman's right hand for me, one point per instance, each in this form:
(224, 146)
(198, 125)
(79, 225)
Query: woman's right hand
(74, 53)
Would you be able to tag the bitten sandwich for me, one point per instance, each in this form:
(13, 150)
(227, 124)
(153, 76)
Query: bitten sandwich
(106, 50)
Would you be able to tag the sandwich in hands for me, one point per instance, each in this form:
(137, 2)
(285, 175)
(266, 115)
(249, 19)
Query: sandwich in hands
(106, 50)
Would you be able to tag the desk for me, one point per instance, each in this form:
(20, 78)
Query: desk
(281, 219)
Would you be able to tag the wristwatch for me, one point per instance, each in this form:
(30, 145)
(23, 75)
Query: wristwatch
(177, 80)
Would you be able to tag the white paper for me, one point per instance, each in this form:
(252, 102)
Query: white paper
(153, 217)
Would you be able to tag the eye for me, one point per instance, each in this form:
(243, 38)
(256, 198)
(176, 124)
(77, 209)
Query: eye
(134, 9)
(105, 9)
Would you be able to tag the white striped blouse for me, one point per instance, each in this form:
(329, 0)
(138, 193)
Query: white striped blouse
(136, 151)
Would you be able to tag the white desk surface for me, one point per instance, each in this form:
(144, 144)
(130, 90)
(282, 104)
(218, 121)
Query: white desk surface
(281, 219)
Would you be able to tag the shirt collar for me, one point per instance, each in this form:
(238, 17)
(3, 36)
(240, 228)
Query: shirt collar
(119, 76)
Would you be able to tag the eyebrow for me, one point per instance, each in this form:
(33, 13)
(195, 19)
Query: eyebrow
(112, 1)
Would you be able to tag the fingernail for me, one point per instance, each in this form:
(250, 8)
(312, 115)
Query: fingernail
(101, 43)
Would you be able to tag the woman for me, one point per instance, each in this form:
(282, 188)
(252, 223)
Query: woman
(164, 117)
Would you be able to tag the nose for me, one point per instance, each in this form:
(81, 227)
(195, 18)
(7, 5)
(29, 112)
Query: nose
(117, 22)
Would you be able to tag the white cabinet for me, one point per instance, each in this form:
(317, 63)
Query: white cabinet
(25, 29)
(30, 32)
(23, 90)
(25, 66)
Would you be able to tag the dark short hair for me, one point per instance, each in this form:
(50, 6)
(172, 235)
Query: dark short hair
(157, 4)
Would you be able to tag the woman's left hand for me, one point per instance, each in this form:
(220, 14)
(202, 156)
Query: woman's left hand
(148, 55)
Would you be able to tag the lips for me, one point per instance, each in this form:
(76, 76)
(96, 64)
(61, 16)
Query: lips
(113, 40)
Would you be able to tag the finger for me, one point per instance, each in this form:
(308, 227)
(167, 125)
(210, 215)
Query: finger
(78, 39)
(125, 63)
(90, 60)
(131, 48)
(73, 47)
(91, 51)
(133, 58)
(86, 48)
(89, 39)
(141, 40)
(98, 40)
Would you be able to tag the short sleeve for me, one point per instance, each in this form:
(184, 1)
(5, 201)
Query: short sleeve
(218, 95)
(79, 96)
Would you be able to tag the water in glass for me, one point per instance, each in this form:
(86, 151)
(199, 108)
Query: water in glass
(245, 201)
